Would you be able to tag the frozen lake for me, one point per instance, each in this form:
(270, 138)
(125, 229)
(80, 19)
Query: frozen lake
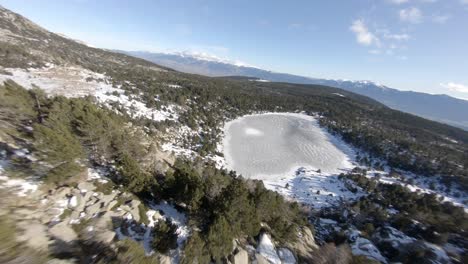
(274, 145)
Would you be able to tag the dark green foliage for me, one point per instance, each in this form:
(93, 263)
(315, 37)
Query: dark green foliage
(65, 131)
(129, 251)
(132, 176)
(165, 237)
(236, 206)
(195, 250)
(60, 149)
(439, 219)
(220, 239)
(225, 207)
(184, 185)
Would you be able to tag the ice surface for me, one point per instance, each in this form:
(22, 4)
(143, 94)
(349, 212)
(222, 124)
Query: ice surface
(272, 145)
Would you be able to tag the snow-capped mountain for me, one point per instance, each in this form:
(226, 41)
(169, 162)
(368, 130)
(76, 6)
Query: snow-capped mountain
(440, 108)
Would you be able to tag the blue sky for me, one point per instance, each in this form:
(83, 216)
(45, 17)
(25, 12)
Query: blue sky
(419, 45)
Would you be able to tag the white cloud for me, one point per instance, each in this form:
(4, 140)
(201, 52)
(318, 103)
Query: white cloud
(411, 15)
(464, 2)
(398, 2)
(295, 25)
(455, 87)
(363, 35)
(399, 37)
(440, 19)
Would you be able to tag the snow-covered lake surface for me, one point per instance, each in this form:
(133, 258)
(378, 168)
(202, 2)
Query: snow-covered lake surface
(274, 145)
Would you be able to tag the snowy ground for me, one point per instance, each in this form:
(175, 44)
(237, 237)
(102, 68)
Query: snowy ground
(22, 187)
(269, 144)
(143, 233)
(307, 186)
(422, 184)
(265, 146)
(74, 81)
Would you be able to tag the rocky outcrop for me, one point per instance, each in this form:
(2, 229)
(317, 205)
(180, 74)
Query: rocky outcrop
(241, 257)
(305, 244)
(34, 234)
(65, 238)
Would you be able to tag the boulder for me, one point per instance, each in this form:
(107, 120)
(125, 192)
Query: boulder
(111, 204)
(164, 259)
(132, 208)
(63, 232)
(61, 261)
(86, 187)
(241, 257)
(65, 238)
(94, 209)
(305, 244)
(106, 236)
(106, 199)
(61, 193)
(34, 235)
(261, 259)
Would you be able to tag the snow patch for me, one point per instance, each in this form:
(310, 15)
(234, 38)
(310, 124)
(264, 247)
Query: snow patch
(267, 249)
(253, 132)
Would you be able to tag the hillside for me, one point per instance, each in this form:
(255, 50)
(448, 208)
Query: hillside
(107, 158)
(440, 108)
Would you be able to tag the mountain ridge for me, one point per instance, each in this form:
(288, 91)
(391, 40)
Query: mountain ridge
(437, 107)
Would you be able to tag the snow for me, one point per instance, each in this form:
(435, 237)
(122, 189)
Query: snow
(312, 188)
(136, 108)
(177, 150)
(143, 233)
(253, 132)
(421, 184)
(267, 249)
(327, 221)
(60, 206)
(74, 81)
(176, 217)
(209, 57)
(340, 95)
(22, 187)
(73, 202)
(59, 80)
(97, 174)
(441, 255)
(269, 147)
(364, 247)
(288, 141)
(396, 237)
(286, 256)
(176, 86)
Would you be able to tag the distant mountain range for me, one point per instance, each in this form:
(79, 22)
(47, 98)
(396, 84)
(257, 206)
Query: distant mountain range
(442, 108)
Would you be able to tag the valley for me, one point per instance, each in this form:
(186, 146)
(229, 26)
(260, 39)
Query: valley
(106, 158)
